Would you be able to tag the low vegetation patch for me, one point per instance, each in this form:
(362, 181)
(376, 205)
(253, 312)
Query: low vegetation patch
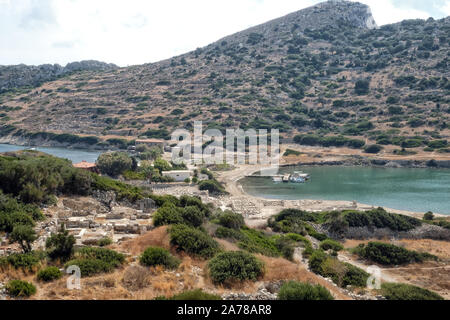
(297, 221)
(342, 273)
(193, 295)
(171, 214)
(332, 141)
(389, 254)
(329, 244)
(212, 186)
(25, 261)
(193, 241)
(122, 190)
(401, 291)
(290, 152)
(380, 218)
(152, 257)
(231, 220)
(20, 289)
(229, 267)
(93, 261)
(294, 290)
(49, 274)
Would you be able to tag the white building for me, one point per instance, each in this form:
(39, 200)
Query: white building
(178, 175)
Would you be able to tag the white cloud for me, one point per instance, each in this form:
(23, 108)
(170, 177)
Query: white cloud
(140, 31)
(446, 9)
(385, 12)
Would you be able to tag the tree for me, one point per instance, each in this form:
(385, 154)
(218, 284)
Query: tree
(362, 87)
(114, 163)
(24, 235)
(162, 165)
(60, 245)
(428, 216)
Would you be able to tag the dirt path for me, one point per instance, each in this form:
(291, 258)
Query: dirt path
(384, 276)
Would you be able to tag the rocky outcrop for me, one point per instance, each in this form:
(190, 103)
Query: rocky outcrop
(18, 76)
(322, 15)
(425, 231)
(385, 163)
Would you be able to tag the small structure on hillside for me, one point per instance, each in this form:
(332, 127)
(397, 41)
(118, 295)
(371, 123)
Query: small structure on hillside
(87, 166)
(178, 175)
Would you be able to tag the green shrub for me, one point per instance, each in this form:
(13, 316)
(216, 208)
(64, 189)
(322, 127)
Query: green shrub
(212, 186)
(329, 244)
(158, 256)
(24, 235)
(19, 288)
(401, 291)
(362, 87)
(36, 178)
(227, 233)
(26, 261)
(122, 190)
(290, 152)
(256, 241)
(428, 216)
(93, 260)
(168, 214)
(437, 144)
(294, 290)
(374, 148)
(104, 242)
(194, 295)
(330, 141)
(60, 245)
(343, 274)
(389, 254)
(193, 216)
(285, 246)
(231, 220)
(107, 255)
(188, 201)
(380, 218)
(316, 261)
(90, 267)
(232, 266)
(193, 241)
(114, 163)
(14, 213)
(49, 274)
(354, 276)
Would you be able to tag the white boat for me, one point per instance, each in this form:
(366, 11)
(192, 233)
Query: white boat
(277, 178)
(299, 177)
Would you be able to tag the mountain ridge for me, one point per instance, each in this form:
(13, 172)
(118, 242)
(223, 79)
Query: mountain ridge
(330, 78)
(16, 76)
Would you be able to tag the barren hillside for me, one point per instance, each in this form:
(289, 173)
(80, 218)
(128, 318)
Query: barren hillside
(325, 69)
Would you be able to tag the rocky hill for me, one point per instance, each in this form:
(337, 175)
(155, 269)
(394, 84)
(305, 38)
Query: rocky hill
(14, 77)
(326, 70)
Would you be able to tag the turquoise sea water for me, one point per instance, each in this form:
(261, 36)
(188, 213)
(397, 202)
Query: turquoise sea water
(418, 190)
(71, 154)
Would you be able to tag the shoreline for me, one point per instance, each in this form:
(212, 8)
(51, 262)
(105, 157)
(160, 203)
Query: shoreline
(262, 208)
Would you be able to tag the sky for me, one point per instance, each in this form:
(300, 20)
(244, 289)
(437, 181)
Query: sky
(130, 32)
